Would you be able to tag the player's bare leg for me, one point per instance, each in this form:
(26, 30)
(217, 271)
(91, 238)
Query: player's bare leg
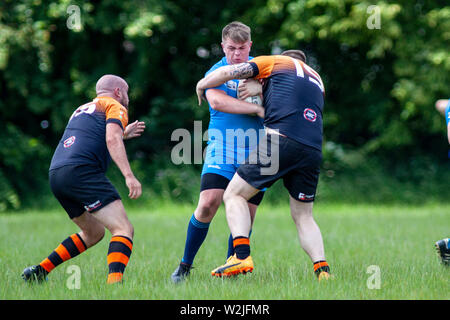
(252, 210)
(92, 231)
(236, 206)
(239, 221)
(115, 219)
(208, 204)
(309, 235)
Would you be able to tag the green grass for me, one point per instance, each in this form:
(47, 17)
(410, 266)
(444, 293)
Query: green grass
(398, 239)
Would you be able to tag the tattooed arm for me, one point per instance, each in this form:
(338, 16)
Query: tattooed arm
(222, 75)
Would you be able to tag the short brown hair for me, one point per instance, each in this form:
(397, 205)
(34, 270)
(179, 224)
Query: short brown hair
(297, 54)
(236, 31)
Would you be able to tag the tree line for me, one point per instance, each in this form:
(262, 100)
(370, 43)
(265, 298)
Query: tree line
(384, 64)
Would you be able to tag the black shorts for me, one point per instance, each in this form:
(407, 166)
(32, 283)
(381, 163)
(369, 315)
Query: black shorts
(81, 188)
(216, 181)
(298, 165)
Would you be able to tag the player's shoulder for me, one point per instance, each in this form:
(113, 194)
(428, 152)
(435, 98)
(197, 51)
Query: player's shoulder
(106, 103)
(222, 62)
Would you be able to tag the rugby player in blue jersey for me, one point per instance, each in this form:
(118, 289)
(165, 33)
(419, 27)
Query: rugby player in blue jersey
(443, 106)
(222, 156)
(293, 102)
(94, 135)
(443, 246)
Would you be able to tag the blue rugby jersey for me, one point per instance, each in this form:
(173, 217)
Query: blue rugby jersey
(236, 150)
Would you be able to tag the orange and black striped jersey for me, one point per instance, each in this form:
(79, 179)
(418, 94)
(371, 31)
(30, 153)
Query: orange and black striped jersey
(293, 98)
(84, 139)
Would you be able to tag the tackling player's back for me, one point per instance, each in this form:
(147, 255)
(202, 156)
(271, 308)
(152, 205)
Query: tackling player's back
(83, 141)
(293, 98)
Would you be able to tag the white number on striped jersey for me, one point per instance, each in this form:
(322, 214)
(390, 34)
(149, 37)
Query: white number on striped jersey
(312, 75)
(85, 108)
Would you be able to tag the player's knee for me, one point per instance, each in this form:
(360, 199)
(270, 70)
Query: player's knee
(301, 214)
(229, 195)
(208, 208)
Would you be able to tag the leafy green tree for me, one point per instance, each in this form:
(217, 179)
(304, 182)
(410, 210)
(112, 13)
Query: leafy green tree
(383, 63)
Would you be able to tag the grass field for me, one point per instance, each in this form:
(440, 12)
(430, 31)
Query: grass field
(398, 240)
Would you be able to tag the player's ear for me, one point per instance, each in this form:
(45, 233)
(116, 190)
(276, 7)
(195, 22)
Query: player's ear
(117, 92)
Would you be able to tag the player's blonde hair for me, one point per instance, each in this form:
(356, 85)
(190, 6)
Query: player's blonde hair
(236, 31)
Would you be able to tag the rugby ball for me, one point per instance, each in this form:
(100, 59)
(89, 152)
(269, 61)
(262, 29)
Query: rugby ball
(255, 99)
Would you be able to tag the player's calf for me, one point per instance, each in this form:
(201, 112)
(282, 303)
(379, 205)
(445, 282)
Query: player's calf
(119, 252)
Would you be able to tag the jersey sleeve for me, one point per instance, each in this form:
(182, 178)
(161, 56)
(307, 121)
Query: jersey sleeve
(116, 113)
(222, 87)
(262, 66)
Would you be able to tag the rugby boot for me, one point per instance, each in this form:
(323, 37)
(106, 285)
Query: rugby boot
(322, 270)
(181, 272)
(443, 251)
(234, 266)
(34, 274)
(323, 276)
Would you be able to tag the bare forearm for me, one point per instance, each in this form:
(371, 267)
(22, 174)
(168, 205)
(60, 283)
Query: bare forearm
(118, 154)
(225, 103)
(223, 74)
(215, 78)
(239, 107)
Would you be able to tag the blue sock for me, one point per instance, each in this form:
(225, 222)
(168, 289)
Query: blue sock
(196, 234)
(230, 244)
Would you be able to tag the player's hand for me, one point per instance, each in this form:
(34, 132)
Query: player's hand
(200, 93)
(260, 112)
(134, 187)
(134, 130)
(440, 105)
(249, 88)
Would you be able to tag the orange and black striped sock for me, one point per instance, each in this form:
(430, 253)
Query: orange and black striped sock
(68, 249)
(119, 254)
(320, 266)
(241, 247)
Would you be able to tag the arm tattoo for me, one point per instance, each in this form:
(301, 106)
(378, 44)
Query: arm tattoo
(241, 71)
